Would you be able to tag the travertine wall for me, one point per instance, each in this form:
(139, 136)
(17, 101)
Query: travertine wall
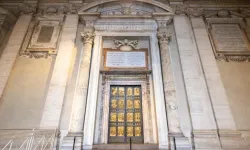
(22, 103)
(236, 80)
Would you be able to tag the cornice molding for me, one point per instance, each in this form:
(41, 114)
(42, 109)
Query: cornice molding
(26, 8)
(191, 10)
(7, 18)
(241, 12)
(233, 58)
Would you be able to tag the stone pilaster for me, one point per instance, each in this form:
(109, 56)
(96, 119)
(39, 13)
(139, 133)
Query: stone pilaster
(216, 89)
(90, 116)
(168, 82)
(199, 101)
(74, 138)
(79, 102)
(12, 48)
(57, 86)
(160, 108)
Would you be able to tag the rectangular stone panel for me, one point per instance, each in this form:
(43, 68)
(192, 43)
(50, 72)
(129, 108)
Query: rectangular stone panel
(45, 34)
(116, 59)
(229, 38)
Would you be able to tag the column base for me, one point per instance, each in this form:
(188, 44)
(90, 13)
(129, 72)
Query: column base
(228, 139)
(163, 147)
(87, 147)
(72, 141)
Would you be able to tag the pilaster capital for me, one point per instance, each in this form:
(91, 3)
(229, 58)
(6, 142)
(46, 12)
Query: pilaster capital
(163, 19)
(89, 19)
(87, 37)
(164, 37)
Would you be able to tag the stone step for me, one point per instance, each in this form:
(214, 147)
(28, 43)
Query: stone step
(126, 147)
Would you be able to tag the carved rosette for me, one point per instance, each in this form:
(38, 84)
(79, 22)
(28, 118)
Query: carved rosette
(164, 37)
(87, 37)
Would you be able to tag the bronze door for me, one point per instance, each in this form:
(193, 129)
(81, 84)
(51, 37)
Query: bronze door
(125, 114)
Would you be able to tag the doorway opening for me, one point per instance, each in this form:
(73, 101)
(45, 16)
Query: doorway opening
(125, 114)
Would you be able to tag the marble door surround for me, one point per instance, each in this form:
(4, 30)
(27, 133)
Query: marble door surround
(122, 28)
(95, 79)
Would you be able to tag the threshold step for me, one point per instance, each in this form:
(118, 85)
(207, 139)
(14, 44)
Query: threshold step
(126, 147)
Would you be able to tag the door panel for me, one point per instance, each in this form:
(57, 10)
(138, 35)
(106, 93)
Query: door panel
(125, 114)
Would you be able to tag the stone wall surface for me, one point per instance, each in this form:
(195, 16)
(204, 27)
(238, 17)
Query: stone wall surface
(69, 94)
(212, 96)
(12, 48)
(216, 89)
(21, 105)
(199, 102)
(58, 82)
(236, 80)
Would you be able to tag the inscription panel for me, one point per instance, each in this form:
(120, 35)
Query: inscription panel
(229, 38)
(115, 59)
(45, 35)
